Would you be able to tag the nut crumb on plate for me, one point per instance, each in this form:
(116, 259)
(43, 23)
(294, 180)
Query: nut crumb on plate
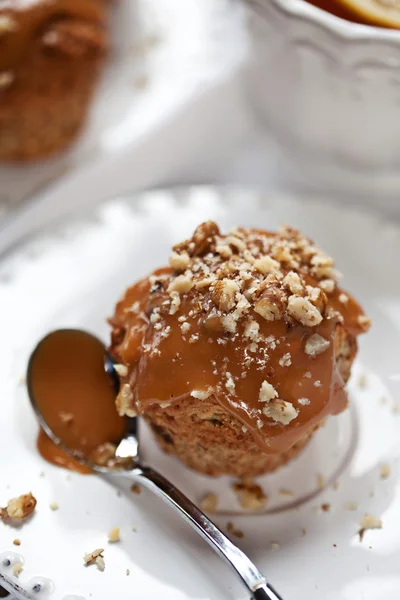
(385, 471)
(232, 529)
(17, 542)
(369, 522)
(250, 495)
(209, 503)
(114, 535)
(136, 489)
(18, 508)
(91, 557)
(54, 506)
(17, 568)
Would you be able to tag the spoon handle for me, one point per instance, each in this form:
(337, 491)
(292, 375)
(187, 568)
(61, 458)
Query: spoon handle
(254, 581)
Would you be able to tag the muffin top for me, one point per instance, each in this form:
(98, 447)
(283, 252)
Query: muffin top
(251, 320)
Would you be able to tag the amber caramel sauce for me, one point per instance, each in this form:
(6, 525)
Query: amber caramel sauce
(73, 394)
(29, 17)
(182, 366)
(336, 8)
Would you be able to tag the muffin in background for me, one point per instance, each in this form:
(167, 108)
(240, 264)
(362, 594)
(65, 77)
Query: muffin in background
(239, 350)
(50, 57)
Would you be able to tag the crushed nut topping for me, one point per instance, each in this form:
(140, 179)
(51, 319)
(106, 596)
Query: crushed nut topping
(316, 344)
(7, 24)
(124, 402)
(304, 311)
(267, 392)
(122, 370)
(6, 79)
(280, 411)
(202, 394)
(364, 322)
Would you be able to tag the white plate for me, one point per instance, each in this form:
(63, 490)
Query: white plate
(70, 275)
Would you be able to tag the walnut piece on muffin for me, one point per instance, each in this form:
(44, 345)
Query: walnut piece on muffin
(238, 350)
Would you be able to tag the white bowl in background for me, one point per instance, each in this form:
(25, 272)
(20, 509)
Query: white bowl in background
(329, 92)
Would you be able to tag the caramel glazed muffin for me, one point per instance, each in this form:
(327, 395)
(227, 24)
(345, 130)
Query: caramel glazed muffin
(237, 352)
(50, 55)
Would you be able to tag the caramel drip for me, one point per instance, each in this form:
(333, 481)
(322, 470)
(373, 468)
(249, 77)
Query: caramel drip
(181, 363)
(29, 17)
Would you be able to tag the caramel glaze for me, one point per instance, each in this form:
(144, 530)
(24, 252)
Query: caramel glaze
(56, 456)
(72, 392)
(29, 17)
(182, 366)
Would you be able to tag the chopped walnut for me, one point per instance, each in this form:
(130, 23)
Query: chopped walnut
(316, 344)
(7, 24)
(100, 564)
(122, 370)
(285, 360)
(181, 284)
(175, 302)
(202, 394)
(267, 392)
(328, 285)
(271, 304)
(250, 495)
(6, 79)
(294, 283)
(19, 508)
(364, 322)
(90, 557)
(209, 503)
(266, 265)
(223, 294)
(280, 411)
(304, 311)
(65, 417)
(179, 261)
(114, 535)
(124, 402)
(17, 542)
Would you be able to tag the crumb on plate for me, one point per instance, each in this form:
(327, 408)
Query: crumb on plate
(209, 503)
(114, 535)
(18, 509)
(369, 522)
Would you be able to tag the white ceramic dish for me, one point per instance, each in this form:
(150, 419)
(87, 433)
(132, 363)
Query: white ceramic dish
(328, 90)
(70, 275)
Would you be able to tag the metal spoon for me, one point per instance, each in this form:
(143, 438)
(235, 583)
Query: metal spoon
(250, 576)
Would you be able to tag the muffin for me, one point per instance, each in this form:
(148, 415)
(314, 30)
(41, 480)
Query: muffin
(237, 351)
(50, 56)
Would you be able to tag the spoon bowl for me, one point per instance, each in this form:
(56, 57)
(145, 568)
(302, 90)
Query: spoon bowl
(60, 374)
